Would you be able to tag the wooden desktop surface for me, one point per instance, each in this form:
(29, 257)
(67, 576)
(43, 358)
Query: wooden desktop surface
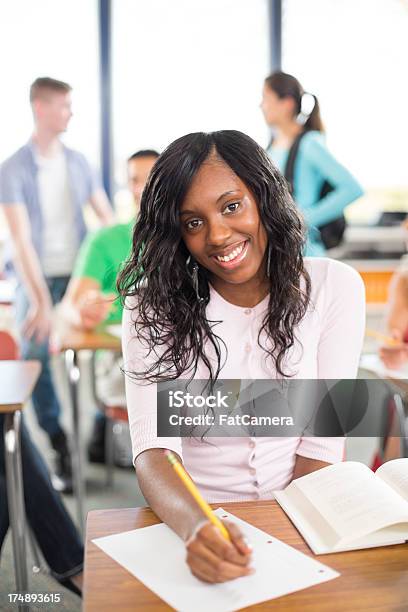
(77, 340)
(17, 380)
(373, 579)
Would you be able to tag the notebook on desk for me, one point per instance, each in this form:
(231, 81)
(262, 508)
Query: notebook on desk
(346, 506)
(157, 557)
(373, 363)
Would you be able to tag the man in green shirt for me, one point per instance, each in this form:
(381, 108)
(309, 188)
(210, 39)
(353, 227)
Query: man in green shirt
(91, 296)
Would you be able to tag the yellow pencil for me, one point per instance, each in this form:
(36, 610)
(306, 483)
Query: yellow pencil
(388, 340)
(189, 484)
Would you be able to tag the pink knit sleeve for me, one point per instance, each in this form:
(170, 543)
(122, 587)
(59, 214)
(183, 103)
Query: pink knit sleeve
(341, 341)
(141, 398)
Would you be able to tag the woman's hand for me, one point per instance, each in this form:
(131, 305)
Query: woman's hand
(213, 559)
(37, 323)
(394, 357)
(93, 308)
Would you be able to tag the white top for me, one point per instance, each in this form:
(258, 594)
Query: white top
(329, 342)
(60, 237)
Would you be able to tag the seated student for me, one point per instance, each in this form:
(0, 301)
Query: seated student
(395, 357)
(216, 287)
(89, 299)
(51, 524)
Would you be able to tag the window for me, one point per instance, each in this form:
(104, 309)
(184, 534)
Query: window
(49, 38)
(351, 54)
(183, 66)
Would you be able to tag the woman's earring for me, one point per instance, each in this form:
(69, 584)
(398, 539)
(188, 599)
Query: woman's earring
(268, 262)
(194, 277)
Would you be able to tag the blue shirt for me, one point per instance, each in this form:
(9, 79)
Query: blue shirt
(314, 165)
(18, 185)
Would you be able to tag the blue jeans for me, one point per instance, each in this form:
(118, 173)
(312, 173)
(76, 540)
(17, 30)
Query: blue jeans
(51, 524)
(44, 397)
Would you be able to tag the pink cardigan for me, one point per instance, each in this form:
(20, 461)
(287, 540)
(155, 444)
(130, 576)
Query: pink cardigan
(329, 342)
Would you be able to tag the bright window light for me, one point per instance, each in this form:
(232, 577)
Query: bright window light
(56, 39)
(182, 66)
(351, 54)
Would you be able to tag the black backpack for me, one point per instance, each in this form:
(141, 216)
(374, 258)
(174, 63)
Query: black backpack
(331, 233)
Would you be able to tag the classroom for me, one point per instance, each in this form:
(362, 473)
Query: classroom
(203, 305)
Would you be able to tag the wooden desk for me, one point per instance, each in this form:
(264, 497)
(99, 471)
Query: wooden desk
(375, 579)
(17, 380)
(7, 290)
(70, 341)
(77, 340)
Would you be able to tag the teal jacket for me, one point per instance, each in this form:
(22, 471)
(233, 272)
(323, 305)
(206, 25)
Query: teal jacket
(314, 165)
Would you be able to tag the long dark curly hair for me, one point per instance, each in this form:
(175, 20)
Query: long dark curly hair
(170, 320)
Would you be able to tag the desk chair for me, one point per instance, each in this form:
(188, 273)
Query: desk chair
(388, 418)
(394, 437)
(8, 347)
(112, 414)
(9, 351)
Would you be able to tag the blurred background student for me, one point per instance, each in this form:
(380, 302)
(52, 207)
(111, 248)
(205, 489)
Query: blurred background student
(320, 185)
(91, 295)
(43, 189)
(52, 526)
(396, 321)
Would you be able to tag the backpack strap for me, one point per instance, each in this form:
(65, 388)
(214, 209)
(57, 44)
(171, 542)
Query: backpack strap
(289, 171)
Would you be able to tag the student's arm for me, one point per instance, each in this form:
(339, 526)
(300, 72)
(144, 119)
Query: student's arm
(84, 305)
(209, 556)
(397, 321)
(304, 466)
(345, 187)
(397, 312)
(100, 203)
(38, 320)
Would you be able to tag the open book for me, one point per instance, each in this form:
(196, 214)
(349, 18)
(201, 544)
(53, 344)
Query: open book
(346, 506)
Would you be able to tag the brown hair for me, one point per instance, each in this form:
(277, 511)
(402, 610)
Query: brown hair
(46, 84)
(287, 86)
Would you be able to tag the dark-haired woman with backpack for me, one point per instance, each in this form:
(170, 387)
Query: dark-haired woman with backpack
(321, 186)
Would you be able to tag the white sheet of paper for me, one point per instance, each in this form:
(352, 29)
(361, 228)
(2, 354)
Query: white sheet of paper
(373, 363)
(115, 330)
(156, 556)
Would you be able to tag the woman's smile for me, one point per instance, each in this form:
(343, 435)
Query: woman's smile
(222, 230)
(232, 256)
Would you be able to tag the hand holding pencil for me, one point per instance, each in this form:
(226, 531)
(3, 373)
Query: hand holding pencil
(391, 341)
(394, 351)
(217, 550)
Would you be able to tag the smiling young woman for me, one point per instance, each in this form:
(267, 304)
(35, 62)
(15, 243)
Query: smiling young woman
(216, 285)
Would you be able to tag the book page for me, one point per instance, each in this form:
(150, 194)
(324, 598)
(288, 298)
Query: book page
(352, 499)
(395, 474)
(307, 520)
